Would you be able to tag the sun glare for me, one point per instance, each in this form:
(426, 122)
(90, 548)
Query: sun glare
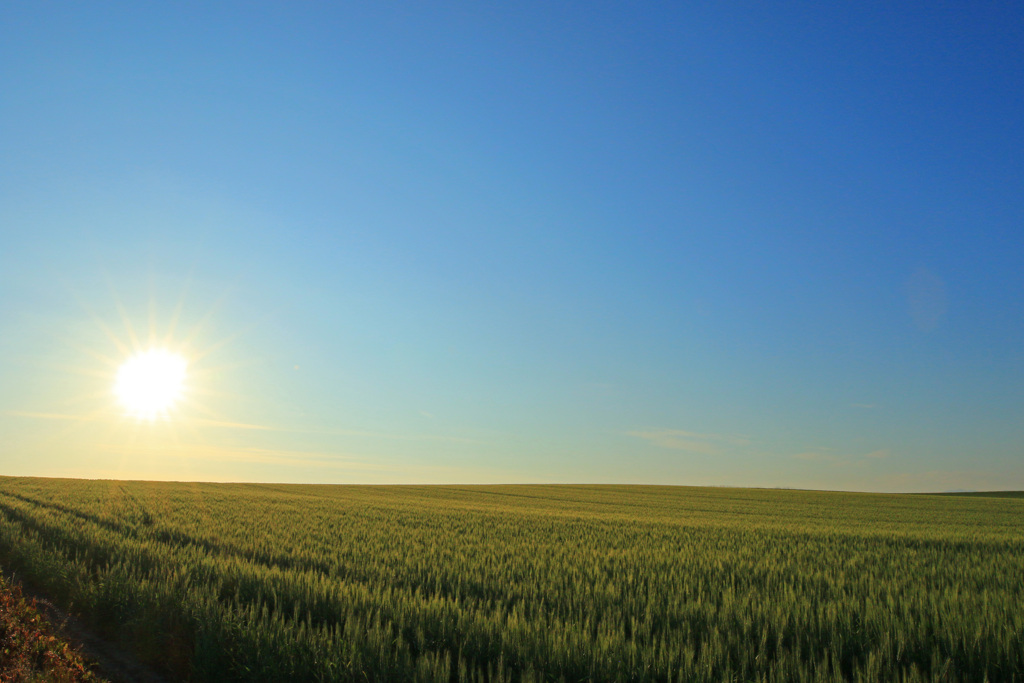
(149, 383)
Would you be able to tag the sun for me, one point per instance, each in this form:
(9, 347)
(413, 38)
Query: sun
(149, 383)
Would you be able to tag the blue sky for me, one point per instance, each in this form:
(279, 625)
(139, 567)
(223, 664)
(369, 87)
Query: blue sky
(733, 244)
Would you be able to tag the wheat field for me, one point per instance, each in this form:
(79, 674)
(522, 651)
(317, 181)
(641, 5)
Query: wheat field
(529, 583)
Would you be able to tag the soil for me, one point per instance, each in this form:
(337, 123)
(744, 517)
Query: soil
(112, 662)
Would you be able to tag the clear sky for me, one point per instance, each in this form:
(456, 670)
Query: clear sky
(759, 244)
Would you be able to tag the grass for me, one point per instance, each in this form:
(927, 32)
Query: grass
(529, 583)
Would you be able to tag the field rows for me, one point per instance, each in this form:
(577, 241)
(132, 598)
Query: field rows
(519, 583)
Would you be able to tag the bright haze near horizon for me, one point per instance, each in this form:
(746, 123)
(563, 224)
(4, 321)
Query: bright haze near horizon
(750, 244)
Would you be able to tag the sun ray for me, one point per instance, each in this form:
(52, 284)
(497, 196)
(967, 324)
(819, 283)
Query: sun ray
(152, 312)
(198, 327)
(178, 308)
(125, 318)
(184, 412)
(103, 327)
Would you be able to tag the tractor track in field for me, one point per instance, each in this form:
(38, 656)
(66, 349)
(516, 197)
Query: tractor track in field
(112, 662)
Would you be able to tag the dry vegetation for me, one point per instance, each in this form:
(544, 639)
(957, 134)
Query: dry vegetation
(520, 583)
(30, 650)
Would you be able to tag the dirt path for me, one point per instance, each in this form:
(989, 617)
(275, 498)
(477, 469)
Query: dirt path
(112, 662)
